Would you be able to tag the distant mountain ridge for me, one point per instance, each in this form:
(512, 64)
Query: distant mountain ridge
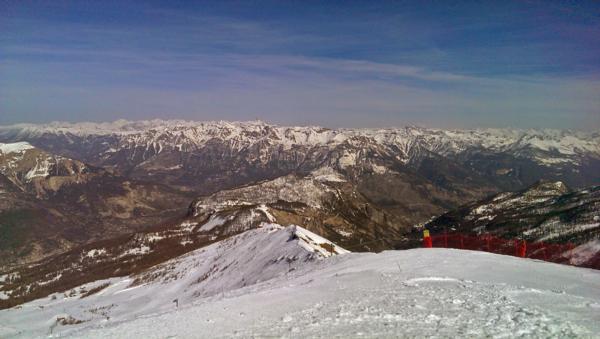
(159, 134)
(173, 148)
(394, 177)
(50, 203)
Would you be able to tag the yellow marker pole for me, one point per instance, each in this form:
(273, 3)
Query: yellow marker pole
(427, 239)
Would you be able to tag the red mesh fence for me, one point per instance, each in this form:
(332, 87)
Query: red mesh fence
(558, 253)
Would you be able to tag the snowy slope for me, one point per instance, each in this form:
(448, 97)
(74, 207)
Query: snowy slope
(404, 293)
(273, 290)
(243, 260)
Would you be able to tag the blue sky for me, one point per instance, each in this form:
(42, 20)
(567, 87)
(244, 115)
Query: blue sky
(332, 63)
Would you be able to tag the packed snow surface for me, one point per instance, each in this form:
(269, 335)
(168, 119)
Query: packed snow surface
(263, 284)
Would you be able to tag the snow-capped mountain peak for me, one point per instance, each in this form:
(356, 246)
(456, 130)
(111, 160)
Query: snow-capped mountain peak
(16, 147)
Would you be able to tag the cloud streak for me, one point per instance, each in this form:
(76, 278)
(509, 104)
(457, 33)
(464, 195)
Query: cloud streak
(361, 70)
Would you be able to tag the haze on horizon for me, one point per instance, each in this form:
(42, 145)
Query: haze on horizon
(336, 64)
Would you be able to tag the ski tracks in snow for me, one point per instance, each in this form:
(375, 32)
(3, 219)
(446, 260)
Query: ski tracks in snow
(425, 306)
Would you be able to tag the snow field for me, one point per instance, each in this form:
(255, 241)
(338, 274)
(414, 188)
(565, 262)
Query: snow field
(265, 283)
(424, 292)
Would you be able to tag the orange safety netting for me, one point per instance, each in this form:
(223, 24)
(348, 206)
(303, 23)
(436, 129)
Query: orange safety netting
(559, 253)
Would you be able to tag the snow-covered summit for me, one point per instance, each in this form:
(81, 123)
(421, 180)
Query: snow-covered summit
(16, 147)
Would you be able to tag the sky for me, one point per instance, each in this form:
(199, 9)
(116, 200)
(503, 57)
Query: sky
(447, 64)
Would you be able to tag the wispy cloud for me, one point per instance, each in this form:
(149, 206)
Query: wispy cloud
(410, 66)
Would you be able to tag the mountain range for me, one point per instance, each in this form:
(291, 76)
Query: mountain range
(89, 201)
(122, 172)
(106, 227)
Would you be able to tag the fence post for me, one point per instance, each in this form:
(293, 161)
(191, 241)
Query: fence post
(523, 249)
(487, 243)
(427, 243)
(462, 244)
(445, 238)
